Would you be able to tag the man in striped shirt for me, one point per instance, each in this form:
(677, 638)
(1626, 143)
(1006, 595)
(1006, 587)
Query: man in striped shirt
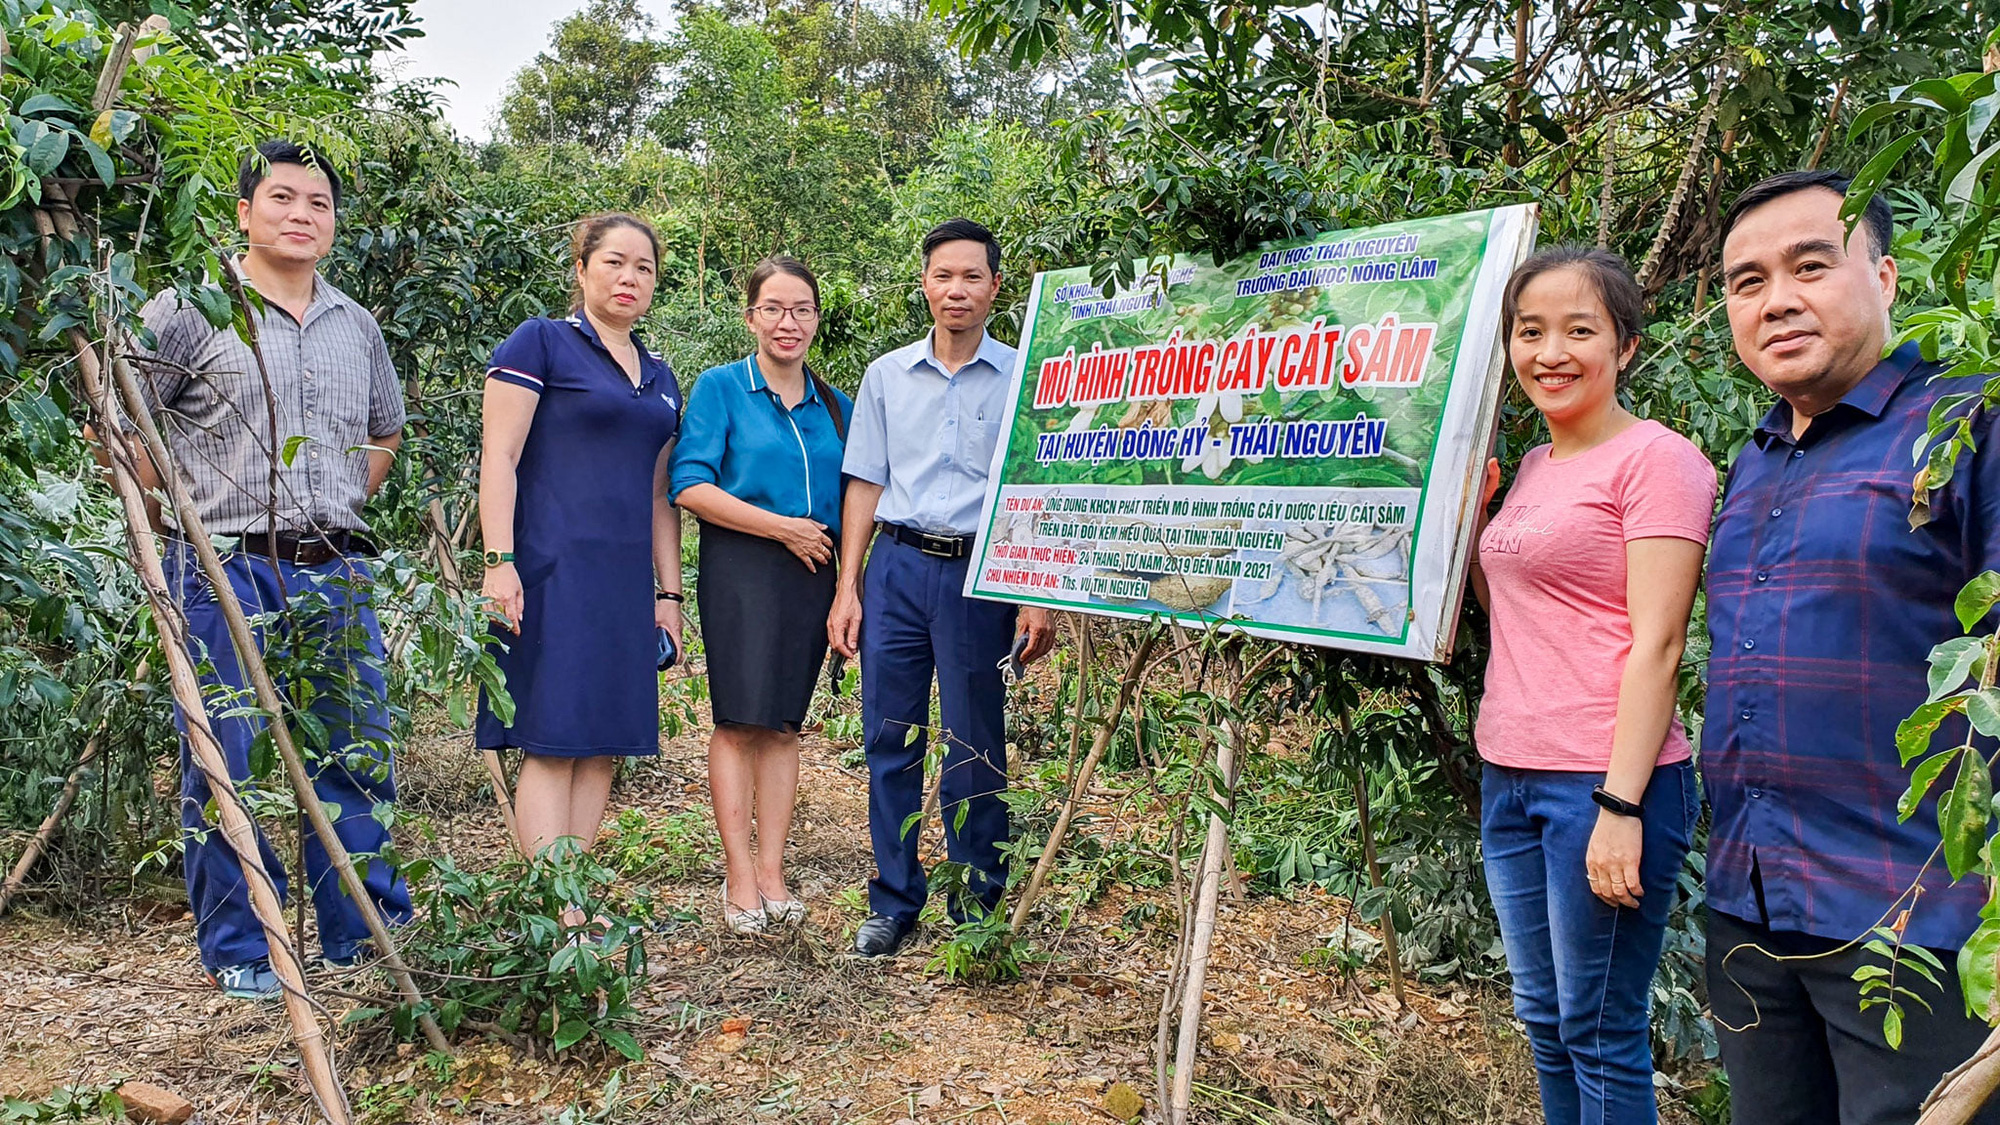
(281, 446)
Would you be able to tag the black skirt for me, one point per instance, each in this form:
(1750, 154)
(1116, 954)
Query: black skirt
(763, 621)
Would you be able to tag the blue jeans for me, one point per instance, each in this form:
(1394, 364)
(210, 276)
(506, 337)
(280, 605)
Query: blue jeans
(916, 622)
(1583, 970)
(352, 779)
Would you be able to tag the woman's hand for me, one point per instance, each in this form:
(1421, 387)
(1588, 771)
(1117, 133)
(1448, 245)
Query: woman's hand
(1489, 486)
(502, 587)
(1613, 859)
(667, 615)
(805, 538)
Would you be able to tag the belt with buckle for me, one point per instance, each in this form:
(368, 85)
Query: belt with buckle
(309, 549)
(940, 546)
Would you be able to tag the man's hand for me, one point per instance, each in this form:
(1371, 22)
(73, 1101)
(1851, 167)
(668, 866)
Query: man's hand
(1040, 627)
(843, 625)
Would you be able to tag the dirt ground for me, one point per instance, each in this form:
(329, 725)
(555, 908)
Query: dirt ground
(1287, 1038)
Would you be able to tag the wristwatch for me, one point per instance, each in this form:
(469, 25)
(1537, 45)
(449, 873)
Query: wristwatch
(1613, 803)
(669, 596)
(495, 558)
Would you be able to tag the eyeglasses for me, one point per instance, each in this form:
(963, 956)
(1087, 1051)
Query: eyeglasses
(772, 314)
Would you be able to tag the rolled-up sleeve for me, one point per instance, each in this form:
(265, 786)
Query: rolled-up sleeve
(704, 436)
(867, 455)
(522, 359)
(386, 413)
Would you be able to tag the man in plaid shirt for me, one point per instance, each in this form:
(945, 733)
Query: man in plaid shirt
(1823, 605)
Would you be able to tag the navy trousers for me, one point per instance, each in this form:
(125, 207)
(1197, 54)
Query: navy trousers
(916, 622)
(337, 622)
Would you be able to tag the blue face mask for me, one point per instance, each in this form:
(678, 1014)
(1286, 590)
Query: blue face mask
(669, 655)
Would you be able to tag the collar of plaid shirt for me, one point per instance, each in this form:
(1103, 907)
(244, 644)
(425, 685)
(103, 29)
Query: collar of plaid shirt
(1823, 606)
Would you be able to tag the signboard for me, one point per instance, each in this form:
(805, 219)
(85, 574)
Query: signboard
(1288, 443)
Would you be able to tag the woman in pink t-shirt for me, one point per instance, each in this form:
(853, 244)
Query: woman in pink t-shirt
(1588, 573)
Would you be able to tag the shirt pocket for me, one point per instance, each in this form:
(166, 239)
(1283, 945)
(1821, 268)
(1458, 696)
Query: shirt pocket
(977, 439)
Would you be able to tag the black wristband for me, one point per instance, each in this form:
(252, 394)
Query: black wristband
(669, 596)
(1613, 803)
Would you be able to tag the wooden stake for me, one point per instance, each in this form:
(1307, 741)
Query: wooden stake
(204, 749)
(1965, 1088)
(56, 217)
(195, 534)
(1099, 743)
(1207, 888)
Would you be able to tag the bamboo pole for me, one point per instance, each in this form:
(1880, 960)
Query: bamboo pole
(244, 640)
(55, 218)
(1207, 892)
(315, 1055)
(1099, 743)
(1965, 1088)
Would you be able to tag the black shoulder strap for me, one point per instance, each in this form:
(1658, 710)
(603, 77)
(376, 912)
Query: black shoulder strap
(826, 396)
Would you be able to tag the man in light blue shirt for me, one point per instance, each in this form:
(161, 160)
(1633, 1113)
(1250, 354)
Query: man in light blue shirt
(919, 448)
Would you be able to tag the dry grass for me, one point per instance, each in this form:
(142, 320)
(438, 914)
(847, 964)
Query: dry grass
(829, 1039)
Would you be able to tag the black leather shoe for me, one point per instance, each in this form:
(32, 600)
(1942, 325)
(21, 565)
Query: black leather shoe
(882, 936)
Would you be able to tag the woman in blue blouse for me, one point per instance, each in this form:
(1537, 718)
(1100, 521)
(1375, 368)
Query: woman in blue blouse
(579, 421)
(758, 464)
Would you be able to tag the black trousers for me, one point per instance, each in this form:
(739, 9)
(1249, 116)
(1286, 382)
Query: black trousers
(1798, 1048)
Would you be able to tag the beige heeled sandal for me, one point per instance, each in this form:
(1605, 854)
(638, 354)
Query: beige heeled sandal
(783, 912)
(743, 923)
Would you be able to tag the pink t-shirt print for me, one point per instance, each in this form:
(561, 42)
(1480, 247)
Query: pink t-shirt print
(1554, 557)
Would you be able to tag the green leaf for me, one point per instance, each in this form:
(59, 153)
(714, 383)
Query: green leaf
(100, 161)
(1867, 118)
(1952, 663)
(570, 1034)
(1963, 814)
(1979, 115)
(1913, 735)
(1892, 1027)
(47, 103)
(291, 449)
(1921, 781)
(1983, 709)
(1941, 91)
(1978, 596)
(46, 154)
(1979, 969)
(1962, 188)
(623, 1043)
(1873, 175)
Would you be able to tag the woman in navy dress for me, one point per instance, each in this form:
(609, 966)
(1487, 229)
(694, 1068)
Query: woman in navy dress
(759, 466)
(579, 423)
